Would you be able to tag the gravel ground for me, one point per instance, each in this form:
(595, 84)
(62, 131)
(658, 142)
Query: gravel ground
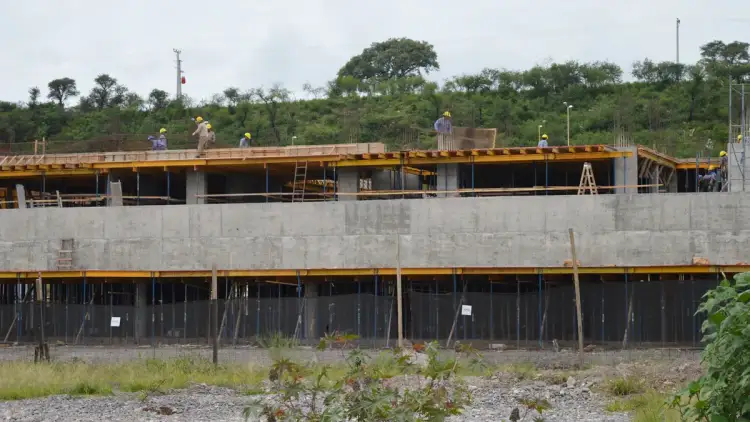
(493, 401)
(493, 398)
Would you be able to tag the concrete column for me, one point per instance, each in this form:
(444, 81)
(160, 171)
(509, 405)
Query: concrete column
(141, 313)
(348, 183)
(195, 185)
(447, 180)
(311, 311)
(626, 171)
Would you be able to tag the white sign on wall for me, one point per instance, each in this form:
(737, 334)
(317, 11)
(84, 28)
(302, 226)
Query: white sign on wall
(115, 322)
(465, 309)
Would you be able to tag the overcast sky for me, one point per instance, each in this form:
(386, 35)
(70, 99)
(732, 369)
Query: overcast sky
(255, 43)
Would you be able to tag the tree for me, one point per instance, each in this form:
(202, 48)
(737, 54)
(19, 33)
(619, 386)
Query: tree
(272, 100)
(393, 58)
(62, 89)
(107, 93)
(158, 99)
(34, 96)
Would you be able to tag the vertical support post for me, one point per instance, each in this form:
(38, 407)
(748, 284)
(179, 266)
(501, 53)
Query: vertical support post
(97, 187)
(492, 314)
(85, 311)
(663, 315)
(546, 175)
(266, 166)
(42, 352)
(577, 286)
(169, 195)
(153, 313)
(257, 312)
(473, 193)
(137, 186)
(455, 309)
(215, 313)
(359, 308)
(44, 184)
(539, 309)
(375, 304)
(325, 183)
(518, 313)
(602, 293)
(399, 301)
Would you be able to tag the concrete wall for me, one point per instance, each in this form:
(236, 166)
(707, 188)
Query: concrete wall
(626, 230)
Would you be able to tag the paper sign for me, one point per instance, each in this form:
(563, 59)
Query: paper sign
(465, 309)
(115, 322)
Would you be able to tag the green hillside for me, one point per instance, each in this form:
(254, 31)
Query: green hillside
(384, 94)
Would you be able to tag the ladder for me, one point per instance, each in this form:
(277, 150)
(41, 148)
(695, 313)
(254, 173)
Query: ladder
(65, 255)
(587, 181)
(300, 180)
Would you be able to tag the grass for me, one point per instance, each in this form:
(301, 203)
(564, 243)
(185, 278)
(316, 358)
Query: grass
(522, 371)
(24, 380)
(624, 386)
(647, 407)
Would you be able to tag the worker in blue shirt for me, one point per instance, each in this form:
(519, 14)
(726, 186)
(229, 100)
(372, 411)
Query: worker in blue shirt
(543, 142)
(444, 129)
(245, 141)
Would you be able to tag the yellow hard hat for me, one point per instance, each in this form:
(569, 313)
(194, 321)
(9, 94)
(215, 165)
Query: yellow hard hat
(162, 130)
(739, 137)
(544, 136)
(723, 153)
(447, 114)
(208, 126)
(247, 135)
(199, 119)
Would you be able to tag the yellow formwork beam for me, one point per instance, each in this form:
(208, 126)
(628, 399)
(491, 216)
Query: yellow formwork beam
(9, 276)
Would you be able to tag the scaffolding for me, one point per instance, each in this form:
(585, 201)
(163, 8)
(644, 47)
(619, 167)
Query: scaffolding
(738, 135)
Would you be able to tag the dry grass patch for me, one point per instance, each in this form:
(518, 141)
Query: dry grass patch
(23, 380)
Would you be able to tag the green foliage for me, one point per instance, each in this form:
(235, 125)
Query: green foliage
(723, 393)
(368, 389)
(381, 95)
(277, 340)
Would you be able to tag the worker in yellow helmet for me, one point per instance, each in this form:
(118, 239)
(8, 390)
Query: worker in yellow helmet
(245, 141)
(202, 132)
(444, 128)
(543, 142)
(723, 167)
(739, 138)
(211, 134)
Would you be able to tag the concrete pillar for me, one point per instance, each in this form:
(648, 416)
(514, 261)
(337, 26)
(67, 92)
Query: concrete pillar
(626, 171)
(348, 183)
(311, 311)
(447, 180)
(21, 195)
(141, 313)
(196, 184)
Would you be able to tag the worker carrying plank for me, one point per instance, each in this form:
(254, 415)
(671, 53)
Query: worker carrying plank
(203, 136)
(160, 143)
(245, 141)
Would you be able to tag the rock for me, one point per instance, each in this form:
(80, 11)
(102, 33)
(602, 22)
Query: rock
(589, 348)
(498, 346)
(571, 382)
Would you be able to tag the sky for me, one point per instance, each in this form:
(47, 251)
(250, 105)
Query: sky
(250, 44)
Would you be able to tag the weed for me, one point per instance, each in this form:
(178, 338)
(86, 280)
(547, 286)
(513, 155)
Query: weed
(624, 386)
(277, 341)
(646, 407)
(521, 371)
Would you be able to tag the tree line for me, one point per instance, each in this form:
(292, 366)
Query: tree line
(383, 95)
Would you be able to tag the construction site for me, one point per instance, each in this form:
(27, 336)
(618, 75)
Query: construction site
(123, 247)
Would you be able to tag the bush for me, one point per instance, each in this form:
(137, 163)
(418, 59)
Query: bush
(723, 393)
(624, 386)
(367, 391)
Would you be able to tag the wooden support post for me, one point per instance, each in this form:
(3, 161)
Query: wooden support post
(578, 294)
(215, 313)
(42, 352)
(399, 299)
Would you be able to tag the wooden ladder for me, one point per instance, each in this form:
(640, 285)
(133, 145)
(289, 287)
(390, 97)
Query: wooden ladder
(65, 255)
(300, 180)
(587, 181)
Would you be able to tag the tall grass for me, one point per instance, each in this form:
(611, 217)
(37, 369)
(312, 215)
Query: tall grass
(23, 380)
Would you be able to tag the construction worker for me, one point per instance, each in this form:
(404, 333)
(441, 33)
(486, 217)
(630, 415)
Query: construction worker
(739, 138)
(245, 141)
(723, 166)
(202, 132)
(211, 134)
(444, 129)
(161, 143)
(543, 142)
(707, 182)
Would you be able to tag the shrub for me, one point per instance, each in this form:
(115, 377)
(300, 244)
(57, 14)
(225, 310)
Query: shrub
(366, 391)
(723, 392)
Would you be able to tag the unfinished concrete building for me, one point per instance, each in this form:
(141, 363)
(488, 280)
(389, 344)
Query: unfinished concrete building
(308, 240)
